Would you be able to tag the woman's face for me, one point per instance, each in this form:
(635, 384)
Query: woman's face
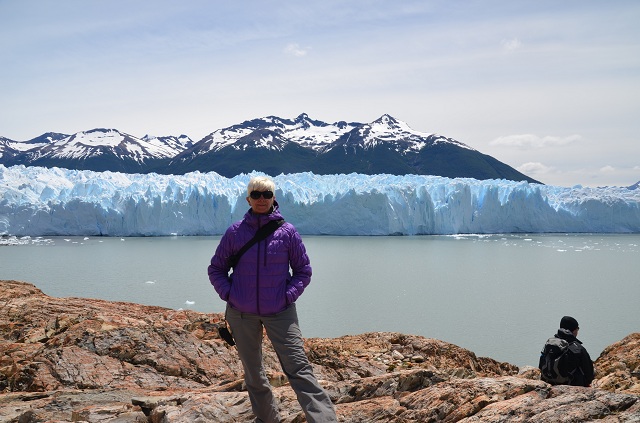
(261, 205)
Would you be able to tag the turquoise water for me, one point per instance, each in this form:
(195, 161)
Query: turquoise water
(500, 296)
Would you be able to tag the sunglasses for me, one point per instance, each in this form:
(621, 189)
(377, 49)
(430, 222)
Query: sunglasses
(265, 194)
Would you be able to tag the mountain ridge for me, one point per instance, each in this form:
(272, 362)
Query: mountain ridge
(269, 144)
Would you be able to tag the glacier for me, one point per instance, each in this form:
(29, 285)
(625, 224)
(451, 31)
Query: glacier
(37, 201)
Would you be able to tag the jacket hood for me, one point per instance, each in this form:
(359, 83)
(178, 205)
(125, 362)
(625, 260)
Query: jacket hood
(567, 335)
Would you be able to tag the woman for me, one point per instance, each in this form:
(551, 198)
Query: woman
(261, 293)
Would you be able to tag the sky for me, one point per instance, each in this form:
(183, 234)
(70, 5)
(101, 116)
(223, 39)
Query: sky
(551, 88)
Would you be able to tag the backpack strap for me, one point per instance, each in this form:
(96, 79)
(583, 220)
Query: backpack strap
(261, 234)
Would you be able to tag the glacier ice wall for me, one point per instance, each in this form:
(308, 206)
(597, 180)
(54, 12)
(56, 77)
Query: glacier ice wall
(40, 201)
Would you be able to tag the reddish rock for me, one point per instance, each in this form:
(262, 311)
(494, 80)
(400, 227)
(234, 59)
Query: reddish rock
(77, 359)
(618, 366)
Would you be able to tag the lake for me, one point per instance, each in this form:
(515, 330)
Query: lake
(500, 296)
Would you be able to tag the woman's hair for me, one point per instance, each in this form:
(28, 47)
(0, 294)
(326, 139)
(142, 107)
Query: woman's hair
(261, 183)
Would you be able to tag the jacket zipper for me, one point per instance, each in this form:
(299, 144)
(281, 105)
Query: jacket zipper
(258, 269)
(258, 274)
(258, 278)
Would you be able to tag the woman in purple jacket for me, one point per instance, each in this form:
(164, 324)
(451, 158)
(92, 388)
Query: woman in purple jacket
(261, 293)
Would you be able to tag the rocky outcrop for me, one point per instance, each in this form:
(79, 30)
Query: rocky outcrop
(619, 366)
(77, 359)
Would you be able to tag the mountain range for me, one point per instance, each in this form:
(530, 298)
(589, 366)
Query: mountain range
(271, 145)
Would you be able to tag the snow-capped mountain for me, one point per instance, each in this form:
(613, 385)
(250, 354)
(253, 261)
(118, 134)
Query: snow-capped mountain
(272, 145)
(13, 152)
(302, 130)
(100, 149)
(388, 132)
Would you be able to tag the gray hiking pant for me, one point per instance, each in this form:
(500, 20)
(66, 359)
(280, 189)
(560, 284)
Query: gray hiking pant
(285, 336)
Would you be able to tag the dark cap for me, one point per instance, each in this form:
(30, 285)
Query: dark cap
(569, 323)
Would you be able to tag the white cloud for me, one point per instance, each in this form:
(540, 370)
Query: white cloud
(529, 141)
(583, 175)
(294, 49)
(511, 45)
(534, 168)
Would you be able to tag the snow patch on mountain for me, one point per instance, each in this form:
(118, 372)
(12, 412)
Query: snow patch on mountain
(302, 130)
(97, 137)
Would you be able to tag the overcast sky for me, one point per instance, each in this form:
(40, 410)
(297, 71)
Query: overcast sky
(551, 88)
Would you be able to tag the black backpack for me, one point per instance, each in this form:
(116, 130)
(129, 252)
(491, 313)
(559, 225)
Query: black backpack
(559, 361)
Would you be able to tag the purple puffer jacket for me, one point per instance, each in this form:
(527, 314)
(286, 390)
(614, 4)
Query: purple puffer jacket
(261, 283)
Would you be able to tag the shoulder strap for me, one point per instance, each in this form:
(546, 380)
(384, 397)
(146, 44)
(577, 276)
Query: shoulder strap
(261, 234)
